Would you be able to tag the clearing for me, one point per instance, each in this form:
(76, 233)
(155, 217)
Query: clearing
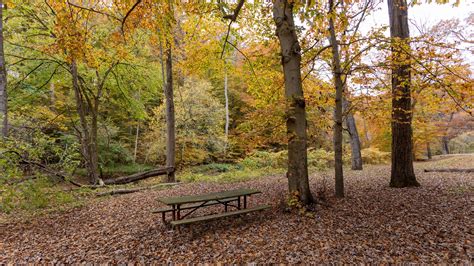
(374, 223)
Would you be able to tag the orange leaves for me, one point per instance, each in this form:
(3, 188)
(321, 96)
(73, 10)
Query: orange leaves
(431, 224)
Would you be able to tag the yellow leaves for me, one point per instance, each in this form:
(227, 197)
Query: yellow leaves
(9, 4)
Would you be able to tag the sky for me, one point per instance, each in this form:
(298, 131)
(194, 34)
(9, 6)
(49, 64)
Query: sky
(429, 14)
(425, 14)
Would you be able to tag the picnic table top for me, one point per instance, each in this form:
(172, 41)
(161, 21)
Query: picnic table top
(208, 196)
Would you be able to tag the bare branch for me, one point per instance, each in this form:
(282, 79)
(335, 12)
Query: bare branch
(232, 18)
(128, 13)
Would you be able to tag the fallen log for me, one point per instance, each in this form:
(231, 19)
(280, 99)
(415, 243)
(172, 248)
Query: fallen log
(131, 190)
(451, 170)
(139, 176)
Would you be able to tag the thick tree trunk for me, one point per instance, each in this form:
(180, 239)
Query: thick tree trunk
(339, 85)
(402, 174)
(88, 137)
(295, 103)
(356, 156)
(3, 81)
(170, 120)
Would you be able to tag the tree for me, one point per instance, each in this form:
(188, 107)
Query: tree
(170, 121)
(339, 85)
(402, 173)
(295, 102)
(226, 95)
(3, 81)
(356, 156)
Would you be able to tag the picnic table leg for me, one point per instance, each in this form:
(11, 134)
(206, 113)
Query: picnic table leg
(238, 203)
(245, 202)
(179, 212)
(163, 217)
(174, 212)
(225, 206)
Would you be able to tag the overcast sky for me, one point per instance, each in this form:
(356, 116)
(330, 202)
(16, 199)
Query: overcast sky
(429, 14)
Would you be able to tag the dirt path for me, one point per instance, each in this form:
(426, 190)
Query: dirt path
(374, 223)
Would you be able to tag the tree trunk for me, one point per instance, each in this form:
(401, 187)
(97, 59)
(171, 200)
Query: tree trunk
(170, 121)
(226, 94)
(445, 145)
(428, 151)
(338, 83)
(366, 132)
(136, 143)
(295, 103)
(356, 156)
(3, 81)
(88, 138)
(445, 138)
(402, 174)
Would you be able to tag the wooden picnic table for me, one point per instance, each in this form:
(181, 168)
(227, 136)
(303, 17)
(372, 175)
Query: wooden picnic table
(231, 198)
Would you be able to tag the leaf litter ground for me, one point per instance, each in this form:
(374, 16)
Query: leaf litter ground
(374, 223)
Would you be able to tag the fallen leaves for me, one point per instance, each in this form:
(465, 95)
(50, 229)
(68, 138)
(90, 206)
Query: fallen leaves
(374, 223)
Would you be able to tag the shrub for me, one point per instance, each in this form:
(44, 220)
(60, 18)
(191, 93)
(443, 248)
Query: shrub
(114, 153)
(31, 195)
(463, 143)
(320, 159)
(263, 159)
(375, 156)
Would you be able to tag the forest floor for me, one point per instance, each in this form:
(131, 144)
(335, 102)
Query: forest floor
(433, 223)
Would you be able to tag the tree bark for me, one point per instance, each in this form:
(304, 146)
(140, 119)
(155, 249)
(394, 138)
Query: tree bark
(339, 85)
(170, 120)
(428, 151)
(226, 94)
(295, 103)
(3, 81)
(402, 173)
(445, 145)
(356, 156)
(445, 138)
(136, 143)
(88, 138)
(366, 132)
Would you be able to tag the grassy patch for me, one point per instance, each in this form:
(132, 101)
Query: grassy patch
(240, 175)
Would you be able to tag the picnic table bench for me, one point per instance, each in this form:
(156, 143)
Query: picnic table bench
(232, 198)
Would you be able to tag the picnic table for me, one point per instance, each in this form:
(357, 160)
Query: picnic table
(236, 199)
